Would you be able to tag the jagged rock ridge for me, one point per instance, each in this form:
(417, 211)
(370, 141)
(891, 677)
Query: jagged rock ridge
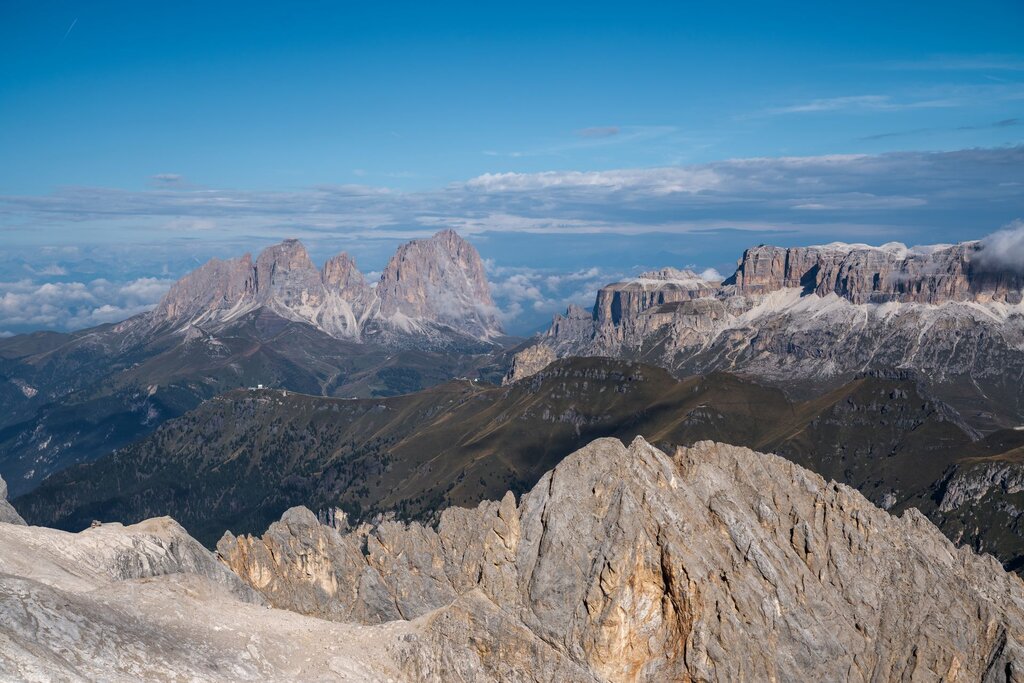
(432, 283)
(716, 563)
(806, 318)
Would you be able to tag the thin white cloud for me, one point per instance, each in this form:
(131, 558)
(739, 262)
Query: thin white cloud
(864, 103)
(654, 181)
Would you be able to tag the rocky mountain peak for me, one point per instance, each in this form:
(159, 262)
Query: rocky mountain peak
(286, 275)
(429, 284)
(441, 279)
(341, 276)
(631, 564)
(217, 285)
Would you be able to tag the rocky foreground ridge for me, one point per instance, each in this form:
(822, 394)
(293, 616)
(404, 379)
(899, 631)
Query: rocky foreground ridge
(622, 564)
(716, 563)
(436, 282)
(808, 317)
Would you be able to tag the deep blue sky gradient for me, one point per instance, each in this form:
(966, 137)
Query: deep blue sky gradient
(413, 95)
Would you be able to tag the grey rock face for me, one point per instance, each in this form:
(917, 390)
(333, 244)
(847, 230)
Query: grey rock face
(627, 564)
(212, 289)
(878, 274)
(970, 484)
(343, 277)
(529, 362)
(816, 315)
(112, 552)
(8, 514)
(286, 275)
(429, 286)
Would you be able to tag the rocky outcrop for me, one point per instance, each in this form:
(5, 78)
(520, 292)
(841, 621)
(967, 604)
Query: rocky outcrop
(970, 483)
(112, 552)
(529, 362)
(8, 514)
(892, 272)
(627, 564)
(809, 318)
(343, 278)
(430, 286)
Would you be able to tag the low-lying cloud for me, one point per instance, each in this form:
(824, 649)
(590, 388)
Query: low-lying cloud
(28, 304)
(1003, 250)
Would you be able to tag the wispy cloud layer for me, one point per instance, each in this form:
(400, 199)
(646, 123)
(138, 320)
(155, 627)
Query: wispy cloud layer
(975, 187)
(863, 102)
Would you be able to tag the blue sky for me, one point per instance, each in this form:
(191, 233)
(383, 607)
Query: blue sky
(138, 138)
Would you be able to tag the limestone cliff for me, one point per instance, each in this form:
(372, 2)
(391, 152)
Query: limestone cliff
(149, 603)
(529, 362)
(440, 279)
(892, 272)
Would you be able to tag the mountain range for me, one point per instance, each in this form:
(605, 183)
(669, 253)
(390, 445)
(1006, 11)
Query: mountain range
(807, 319)
(276, 321)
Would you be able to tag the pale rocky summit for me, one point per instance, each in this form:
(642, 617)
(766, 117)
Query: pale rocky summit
(622, 564)
(809, 318)
(626, 564)
(440, 279)
(210, 290)
(429, 286)
(8, 514)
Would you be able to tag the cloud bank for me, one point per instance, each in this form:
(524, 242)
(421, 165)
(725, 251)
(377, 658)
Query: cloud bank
(25, 304)
(820, 195)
